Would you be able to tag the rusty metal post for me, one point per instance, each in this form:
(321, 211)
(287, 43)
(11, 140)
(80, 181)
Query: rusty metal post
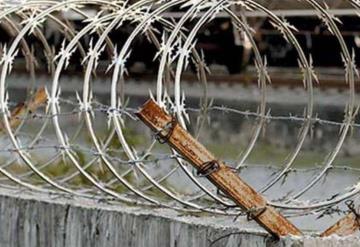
(217, 172)
(22, 109)
(347, 225)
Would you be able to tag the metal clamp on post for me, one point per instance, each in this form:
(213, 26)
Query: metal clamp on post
(350, 204)
(254, 213)
(168, 128)
(208, 168)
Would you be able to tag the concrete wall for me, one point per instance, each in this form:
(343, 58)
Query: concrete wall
(33, 220)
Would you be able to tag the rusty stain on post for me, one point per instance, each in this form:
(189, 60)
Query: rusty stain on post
(345, 226)
(222, 177)
(22, 109)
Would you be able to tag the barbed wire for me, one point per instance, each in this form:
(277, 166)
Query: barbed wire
(126, 173)
(130, 113)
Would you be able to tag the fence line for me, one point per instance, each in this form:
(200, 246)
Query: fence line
(175, 42)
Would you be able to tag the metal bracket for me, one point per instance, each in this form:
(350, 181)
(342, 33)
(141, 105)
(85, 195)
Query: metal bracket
(168, 128)
(254, 213)
(208, 168)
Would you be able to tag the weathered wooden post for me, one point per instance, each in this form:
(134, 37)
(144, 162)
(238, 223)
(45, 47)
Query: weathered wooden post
(167, 129)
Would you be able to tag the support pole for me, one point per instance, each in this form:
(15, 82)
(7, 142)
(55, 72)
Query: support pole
(347, 225)
(169, 131)
(22, 109)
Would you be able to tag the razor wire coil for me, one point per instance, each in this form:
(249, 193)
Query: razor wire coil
(176, 49)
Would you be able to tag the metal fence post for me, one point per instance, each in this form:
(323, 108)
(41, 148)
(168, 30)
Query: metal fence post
(224, 178)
